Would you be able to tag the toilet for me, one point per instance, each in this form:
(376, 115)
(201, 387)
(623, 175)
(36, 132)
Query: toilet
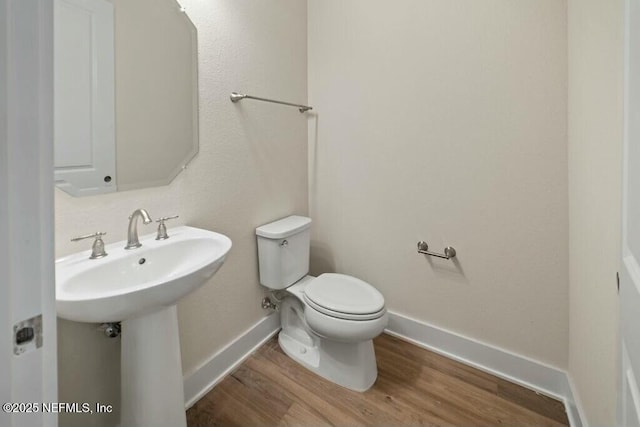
(328, 322)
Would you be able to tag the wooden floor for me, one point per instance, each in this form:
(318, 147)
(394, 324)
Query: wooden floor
(414, 387)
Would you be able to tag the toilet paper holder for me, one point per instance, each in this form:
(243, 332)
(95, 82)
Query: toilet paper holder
(423, 248)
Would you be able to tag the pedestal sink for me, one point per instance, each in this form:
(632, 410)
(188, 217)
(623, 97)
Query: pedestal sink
(140, 288)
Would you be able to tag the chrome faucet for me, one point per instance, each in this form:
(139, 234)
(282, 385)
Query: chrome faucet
(132, 233)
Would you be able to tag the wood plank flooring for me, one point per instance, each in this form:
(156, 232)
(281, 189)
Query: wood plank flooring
(414, 387)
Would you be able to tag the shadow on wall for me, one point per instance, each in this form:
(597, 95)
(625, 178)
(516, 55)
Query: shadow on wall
(451, 269)
(313, 152)
(321, 259)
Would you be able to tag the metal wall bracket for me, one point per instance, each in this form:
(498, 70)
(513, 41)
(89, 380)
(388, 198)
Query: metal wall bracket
(423, 248)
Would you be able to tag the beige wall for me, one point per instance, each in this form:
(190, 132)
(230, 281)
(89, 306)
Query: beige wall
(251, 169)
(446, 121)
(595, 144)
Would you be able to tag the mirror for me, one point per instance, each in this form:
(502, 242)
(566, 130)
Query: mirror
(126, 94)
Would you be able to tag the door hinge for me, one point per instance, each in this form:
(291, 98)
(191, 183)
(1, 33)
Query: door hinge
(618, 281)
(27, 335)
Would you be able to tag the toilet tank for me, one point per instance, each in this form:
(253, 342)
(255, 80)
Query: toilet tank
(283, 251)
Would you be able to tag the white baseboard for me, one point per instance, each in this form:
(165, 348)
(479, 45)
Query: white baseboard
(512, 367)
(575, 410)
(204, 378)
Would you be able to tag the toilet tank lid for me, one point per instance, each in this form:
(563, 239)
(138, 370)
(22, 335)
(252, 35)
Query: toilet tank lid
(284, 227)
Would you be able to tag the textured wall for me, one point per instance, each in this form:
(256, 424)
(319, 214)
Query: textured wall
(446, 121)
(251, 169)
(595, 149)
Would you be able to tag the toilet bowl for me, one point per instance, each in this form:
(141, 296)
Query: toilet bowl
(328, 322)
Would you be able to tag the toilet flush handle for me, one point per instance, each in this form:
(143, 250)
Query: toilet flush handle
(284, 243)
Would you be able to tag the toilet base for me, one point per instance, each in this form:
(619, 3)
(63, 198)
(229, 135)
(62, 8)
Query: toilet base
(350, 365)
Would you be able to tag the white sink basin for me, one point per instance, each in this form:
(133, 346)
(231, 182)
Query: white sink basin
(130, 283)
(141, 287)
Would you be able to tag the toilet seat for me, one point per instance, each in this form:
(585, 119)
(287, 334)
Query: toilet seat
(344, 316)
(344, 297)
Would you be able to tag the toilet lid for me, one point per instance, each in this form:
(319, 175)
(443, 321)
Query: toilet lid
(339, 293)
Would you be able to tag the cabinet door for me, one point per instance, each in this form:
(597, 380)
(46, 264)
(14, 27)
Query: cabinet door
(85, 161)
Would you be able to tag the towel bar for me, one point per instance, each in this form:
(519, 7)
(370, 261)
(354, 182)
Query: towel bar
(235, 97)
(423, 248)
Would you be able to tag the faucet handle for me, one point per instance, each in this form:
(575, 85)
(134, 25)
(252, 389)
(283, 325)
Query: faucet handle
(162, 229)
(97, 250)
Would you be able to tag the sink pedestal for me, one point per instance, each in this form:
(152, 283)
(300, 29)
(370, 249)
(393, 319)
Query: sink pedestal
(152, 384)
